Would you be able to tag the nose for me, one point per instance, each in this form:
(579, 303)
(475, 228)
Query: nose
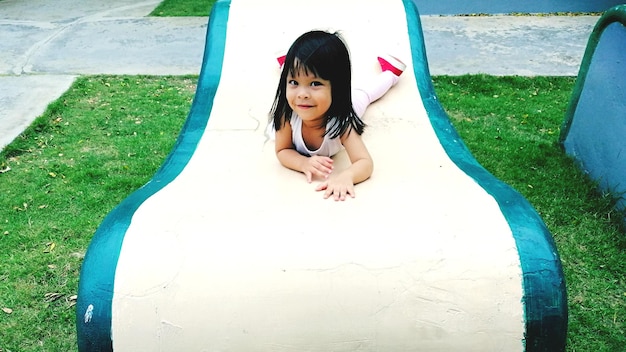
(303, 92)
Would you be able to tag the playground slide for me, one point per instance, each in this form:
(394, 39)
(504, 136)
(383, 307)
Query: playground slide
(595, 123)
(226, 250)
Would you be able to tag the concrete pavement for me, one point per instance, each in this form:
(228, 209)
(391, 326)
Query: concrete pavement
(46, 45)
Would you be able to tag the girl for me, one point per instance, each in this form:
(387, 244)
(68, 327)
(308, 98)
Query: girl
(316, 113)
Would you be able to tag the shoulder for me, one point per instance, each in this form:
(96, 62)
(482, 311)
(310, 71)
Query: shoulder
(283, 137)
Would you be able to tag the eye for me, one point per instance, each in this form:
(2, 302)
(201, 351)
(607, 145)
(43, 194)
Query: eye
(316, 84)
(292, 82)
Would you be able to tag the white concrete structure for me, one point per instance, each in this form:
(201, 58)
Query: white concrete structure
(226, 250)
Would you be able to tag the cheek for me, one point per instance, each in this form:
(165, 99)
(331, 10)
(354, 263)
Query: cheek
(289, 94)
(290, 97)
(328, 98)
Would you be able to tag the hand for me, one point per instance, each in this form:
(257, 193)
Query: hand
(339, 187)
(320, 166)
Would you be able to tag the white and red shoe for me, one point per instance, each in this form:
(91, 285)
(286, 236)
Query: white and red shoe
(392, 64)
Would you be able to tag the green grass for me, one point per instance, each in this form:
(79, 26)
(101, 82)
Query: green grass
(183, 8)
(101, 140)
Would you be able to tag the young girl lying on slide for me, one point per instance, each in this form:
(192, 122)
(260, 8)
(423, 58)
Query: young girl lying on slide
(316, 112)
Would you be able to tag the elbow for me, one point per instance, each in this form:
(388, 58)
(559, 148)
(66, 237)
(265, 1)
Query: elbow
(370, 168)
(365, 171)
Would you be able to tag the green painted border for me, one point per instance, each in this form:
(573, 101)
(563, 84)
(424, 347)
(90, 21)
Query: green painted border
(97, 275)
(616, 14)
(545, 297)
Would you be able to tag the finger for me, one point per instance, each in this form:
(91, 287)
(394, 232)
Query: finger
(327, 162)
(327, 194)
(322, 186)
(323, 171)
(334, 192)
(324, 164)
(309, 176)
(345, 192)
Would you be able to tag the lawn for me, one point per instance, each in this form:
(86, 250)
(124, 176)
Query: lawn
(97, 143)
(107, 135)
(183, 8)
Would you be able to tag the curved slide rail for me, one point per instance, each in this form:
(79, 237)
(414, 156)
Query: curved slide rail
(224, 249)
(595, 121)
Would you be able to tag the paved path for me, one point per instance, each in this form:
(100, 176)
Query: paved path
(46, 45)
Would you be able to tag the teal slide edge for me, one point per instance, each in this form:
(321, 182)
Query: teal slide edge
(616, 14)
(95, 291)
(545, 297)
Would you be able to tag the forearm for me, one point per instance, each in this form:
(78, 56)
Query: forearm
(359, 171)
(291, 159)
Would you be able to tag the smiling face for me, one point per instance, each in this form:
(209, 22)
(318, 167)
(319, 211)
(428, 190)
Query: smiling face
(308, 96)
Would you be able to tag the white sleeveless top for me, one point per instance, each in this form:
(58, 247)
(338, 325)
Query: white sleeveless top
(329, 146)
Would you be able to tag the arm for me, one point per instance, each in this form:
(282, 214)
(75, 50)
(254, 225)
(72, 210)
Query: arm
(291, 159)
(341, 185)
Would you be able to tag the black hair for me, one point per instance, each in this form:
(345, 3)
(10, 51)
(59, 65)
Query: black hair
(325, 55)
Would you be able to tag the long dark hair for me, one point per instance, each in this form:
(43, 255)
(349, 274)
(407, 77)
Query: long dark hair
(325, 55)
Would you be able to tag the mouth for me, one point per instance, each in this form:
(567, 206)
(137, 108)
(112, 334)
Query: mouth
(303, 106)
